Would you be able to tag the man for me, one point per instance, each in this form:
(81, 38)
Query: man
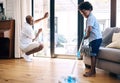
(27, 40)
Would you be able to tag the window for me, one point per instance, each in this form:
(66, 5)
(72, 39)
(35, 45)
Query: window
(101, 12)
(66, 30)
(118, 14)
(39, 9)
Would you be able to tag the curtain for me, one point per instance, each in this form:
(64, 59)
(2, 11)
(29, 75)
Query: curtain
(18, 11)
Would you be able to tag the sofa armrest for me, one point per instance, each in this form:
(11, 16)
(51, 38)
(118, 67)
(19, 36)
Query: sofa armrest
(110, 54)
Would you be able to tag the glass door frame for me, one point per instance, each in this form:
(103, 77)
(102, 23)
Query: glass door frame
(113, 13)
(52, 28)
(80, 28)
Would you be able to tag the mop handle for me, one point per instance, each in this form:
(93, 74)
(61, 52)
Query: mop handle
(76, 60)
(82, 42)
(73, 67)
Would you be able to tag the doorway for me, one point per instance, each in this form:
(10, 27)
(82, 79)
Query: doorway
(65, 28)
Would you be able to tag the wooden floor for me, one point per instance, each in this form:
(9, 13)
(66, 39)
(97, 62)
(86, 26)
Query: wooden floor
(47, 70)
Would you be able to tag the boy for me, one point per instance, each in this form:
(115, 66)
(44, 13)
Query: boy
(93, 34)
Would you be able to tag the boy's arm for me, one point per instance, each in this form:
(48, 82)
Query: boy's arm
(88, 32)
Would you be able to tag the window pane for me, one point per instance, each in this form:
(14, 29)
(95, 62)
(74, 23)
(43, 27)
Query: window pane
(118, 14)
(66, 27)
(40, 7)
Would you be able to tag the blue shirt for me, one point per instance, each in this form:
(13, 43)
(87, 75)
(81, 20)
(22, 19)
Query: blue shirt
(95, 32)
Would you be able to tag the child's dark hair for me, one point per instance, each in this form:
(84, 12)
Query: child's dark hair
(85, 6)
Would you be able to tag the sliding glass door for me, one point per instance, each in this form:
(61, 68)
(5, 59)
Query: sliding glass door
(60, 31)
(65, 27)
(39, 9)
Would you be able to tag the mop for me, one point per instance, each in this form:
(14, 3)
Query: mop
(71, 78)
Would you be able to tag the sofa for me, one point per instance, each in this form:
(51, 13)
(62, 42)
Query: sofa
(108, 58)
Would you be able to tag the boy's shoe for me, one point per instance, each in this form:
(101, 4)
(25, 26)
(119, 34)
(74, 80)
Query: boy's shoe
(27, 58)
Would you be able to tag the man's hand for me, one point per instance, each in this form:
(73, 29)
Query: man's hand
(39, 30)
(45, 15)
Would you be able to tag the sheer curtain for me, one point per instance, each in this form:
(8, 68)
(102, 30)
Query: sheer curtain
(19, 9)
(24, 8)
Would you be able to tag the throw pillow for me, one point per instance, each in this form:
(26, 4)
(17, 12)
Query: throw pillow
(115, 37)
(115, 44)
(115, 41)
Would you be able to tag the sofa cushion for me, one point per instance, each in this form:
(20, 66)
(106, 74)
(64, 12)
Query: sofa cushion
(107, 35)
(115, 41)
(109, 54)
(115, 37)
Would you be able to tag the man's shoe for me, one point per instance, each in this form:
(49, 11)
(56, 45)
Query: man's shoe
(27, 58)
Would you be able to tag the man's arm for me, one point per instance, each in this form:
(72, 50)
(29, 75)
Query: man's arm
(45, 16)
(40, 30)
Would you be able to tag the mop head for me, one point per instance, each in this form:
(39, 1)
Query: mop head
(68, 79)
(78, 54)
(79, 57)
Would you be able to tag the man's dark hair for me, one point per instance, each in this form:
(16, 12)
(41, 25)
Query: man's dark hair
(85, 6)
(28, 18)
